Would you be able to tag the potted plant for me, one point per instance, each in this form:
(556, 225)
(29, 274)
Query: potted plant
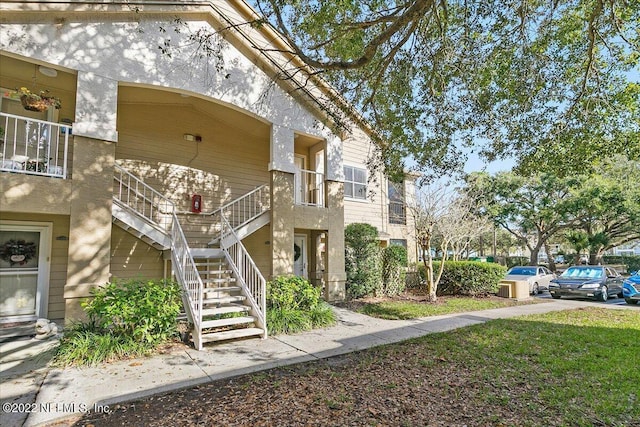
(40, 101)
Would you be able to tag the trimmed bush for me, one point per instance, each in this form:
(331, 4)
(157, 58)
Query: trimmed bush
(362, 260)
(146, 311)
(470, 278)
(631, 261)
(394, 263)
(126, 319)
(294, 305)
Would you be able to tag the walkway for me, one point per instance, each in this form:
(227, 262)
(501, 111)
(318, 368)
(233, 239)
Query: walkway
(37, 394)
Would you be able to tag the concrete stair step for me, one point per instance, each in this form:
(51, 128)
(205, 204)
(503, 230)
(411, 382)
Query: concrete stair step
(230, 321)
(224, 300)
(222, 289)
(219, 280)
(232, 334)
(234, 308)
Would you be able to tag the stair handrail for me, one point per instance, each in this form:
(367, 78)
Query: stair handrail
(246, 208)
(248, 275)
(184, 267)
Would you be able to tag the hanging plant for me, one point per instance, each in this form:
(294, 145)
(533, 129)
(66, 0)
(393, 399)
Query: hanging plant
(17, 251)
(35, 101)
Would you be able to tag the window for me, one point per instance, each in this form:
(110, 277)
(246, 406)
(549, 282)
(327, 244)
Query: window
(398, 242)
(397, 211)
(355, 183)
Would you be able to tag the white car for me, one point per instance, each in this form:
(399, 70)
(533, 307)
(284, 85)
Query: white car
(538, 277)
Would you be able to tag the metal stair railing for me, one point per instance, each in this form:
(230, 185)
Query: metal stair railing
(246, 208)
(160, 211)
(249, 276)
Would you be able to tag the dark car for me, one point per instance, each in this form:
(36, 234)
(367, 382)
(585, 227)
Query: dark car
(587, 281)
(631, 289)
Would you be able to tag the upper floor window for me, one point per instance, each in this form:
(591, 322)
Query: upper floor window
(397, 209)
(355, 183)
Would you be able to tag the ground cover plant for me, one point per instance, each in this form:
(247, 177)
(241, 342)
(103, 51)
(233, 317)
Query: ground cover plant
(294, 305)
(556, 369)
(124, 319)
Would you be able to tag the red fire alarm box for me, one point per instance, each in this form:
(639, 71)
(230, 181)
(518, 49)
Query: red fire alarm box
(196, 203)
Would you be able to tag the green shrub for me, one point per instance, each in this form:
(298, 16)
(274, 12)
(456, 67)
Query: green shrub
(471, 278)
(631, 261)
(512, 261)
(362, 260)
(145, 311)
(394, 263)
(83, 345)
(125, 320)
(294, 305)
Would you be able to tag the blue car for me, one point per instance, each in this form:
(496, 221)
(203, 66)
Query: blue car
(631, 289)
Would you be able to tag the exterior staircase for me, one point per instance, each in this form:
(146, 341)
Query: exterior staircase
(224, 292)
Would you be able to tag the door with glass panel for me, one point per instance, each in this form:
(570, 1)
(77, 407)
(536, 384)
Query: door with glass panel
(24, 270)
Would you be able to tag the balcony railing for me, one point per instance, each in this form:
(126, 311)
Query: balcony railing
(397, 213)
(34, 147)
(309, 188)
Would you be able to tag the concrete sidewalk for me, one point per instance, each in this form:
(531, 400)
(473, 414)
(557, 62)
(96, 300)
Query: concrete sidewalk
(32, 393)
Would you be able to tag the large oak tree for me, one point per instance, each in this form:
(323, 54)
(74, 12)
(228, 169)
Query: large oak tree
(553, 84)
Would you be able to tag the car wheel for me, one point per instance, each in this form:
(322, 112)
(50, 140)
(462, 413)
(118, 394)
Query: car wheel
(631, 301)
(605, 294)
(620, 295)
(536, 289)
(555, 296)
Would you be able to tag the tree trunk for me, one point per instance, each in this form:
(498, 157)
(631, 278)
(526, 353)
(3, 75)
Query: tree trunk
(552, 264)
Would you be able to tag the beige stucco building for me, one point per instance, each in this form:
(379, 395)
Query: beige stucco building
(208, 168)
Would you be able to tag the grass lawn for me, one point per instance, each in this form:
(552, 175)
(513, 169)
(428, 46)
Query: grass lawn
(570, 368)
(410, 308)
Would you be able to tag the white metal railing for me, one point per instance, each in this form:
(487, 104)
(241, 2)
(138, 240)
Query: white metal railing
(33, 146)
(309, 188)
(245, 208)
(247, 273)
(132, 192)
(141, 198)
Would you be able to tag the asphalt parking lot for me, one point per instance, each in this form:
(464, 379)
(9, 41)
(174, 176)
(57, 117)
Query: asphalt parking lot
(610, 301)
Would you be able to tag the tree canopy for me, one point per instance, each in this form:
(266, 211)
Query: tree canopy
(552, 84)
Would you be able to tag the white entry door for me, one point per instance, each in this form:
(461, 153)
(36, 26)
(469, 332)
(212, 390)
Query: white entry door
(300, 255)
(24, 270)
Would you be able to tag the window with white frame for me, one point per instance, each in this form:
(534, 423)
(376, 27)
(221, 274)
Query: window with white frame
(355, 183)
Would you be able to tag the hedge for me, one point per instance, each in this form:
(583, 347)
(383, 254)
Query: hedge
(470, 278)
(631, 261)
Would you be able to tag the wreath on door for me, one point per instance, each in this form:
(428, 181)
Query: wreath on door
(297, 251)
(17, 251)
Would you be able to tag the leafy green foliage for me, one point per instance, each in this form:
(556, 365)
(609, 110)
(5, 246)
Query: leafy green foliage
(631, 261)
(394, 263)
(294, 305)
(362, 260)
(550, 84)
(145, 311)
(125, 320)
(472, 278)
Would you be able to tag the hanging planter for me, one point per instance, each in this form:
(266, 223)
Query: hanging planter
(35, 101)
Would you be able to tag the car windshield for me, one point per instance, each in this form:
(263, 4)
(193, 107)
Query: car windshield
(583, 273)
(522, 271)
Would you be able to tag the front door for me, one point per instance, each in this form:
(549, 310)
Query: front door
(24, 270)
(300, 255)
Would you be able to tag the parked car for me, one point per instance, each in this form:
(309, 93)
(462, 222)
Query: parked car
(559, 259)
(631, 289)
(538, 277)
(587, 281)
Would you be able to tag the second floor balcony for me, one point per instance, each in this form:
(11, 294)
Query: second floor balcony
(33, 146)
